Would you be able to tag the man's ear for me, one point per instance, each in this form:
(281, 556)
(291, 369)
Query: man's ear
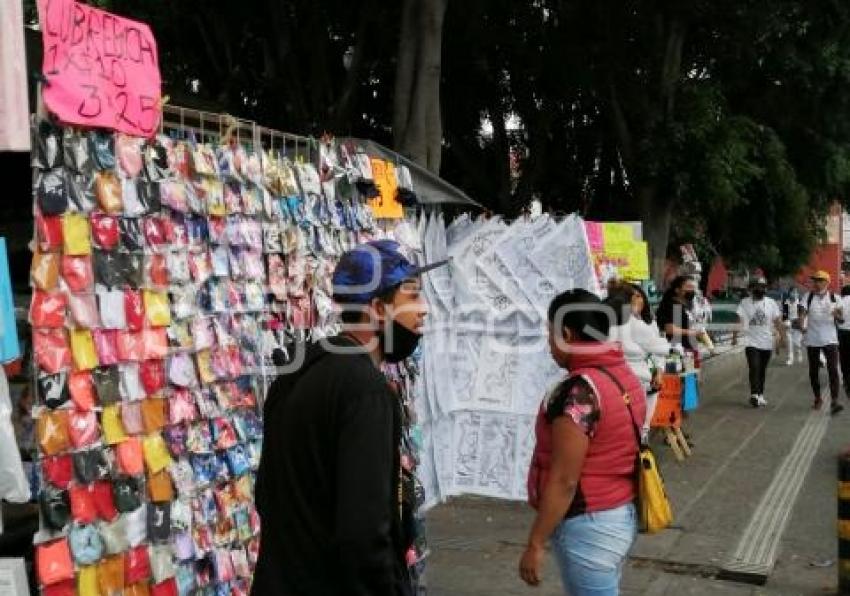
(379, 308)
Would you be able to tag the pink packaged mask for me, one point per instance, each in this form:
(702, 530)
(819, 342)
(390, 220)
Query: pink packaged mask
(84, 311)
(106, 344)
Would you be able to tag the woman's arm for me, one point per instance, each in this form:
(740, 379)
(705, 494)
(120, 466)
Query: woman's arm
(569, 443)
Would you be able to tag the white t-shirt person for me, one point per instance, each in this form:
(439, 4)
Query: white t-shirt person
(820, 322)
(759, 319)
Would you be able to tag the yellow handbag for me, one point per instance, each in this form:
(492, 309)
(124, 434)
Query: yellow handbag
(654, 511)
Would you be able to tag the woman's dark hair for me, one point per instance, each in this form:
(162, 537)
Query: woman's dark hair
(581, 312)
(675, 285)
(620, 300)
(845, 291)
(646, 313)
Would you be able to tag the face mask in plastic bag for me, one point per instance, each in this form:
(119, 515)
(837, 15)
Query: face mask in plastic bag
(233, 197)
(113, 427)
(90, 465)
(49, 232)
(137, 527)
(175, 231)
(181, 370)
(81, 192)
(86, 544)
(47, 309)
(114, 536)
(83, 350)
(106, 344)
(183, 477)
(127, 494)
(53, 562)
(200, 266)
(82, 391)
(181, 406)
(51, 192)
(154, 231)
(160, 488)
(219, 364)
(178, 266)
(53, 389)
(51, 350)
(137, 565)
(110, 574)
(204, 466)
(83, 428)
(205, 372)
(102, 148)
(44, 271)
(166, 588)
(184, 550)
(134, 310)
(156, 271)
(238, 460)
(58, 470)
(83, 509)
(223, 565)
(132, 236)
(172, 194)
(129, 456)
(217, 227)
(131, 346)
(153, 414)
(76, 152)
(104, 500)
(207, 406)
(129, 151)
(148, 194)
(106, 381)
(155, 343)
(156, 453)
(155, 155)
(76, 234)
(107, 188)
(84, 311)
(55, 505)
(133, 205)
(175, 438)
(152, 373)
(179, 336)
(46, 145)
(220, 261)
(198, 231)
(131, 418)
(131, 384)
(183, 302)
(159, 525)
(77, 273)
(109, 269)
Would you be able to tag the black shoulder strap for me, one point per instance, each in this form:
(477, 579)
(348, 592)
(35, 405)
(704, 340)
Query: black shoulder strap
(627, 399)
(809, 301)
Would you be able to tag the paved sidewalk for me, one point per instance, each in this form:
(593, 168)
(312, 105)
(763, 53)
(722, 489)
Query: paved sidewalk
(476, 542)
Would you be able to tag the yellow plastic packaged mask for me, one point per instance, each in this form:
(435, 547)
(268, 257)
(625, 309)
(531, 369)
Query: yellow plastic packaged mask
(113, 430)
(76, 234)
(157, 308)
(87, 581)
(156, 453)
(83, 350)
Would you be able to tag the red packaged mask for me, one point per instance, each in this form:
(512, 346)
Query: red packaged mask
(154, 229)
(58, 470)
(78, 273)
(155, 343)
(104, 230)
(51, 350)
(130, 457)
(83, 428)
(131, 346)
(49, 231)
(152, 373)
(137, 565)
(104, 500)
(82, 390)
(47, 309)
(83, 509)
(134, 309)
(156, 270)
(53, 562)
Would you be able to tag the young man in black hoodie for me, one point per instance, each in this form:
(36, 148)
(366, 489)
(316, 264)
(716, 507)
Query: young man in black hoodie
(328, 487)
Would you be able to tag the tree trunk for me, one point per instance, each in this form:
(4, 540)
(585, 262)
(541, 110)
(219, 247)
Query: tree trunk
(656, 215)
(417, 119)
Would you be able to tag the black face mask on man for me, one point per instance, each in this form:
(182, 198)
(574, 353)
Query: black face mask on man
(758, 293)
(398, 342)
(689, 296)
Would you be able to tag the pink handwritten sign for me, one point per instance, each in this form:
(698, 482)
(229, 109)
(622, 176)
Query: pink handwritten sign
(595, 237)
(102, 70)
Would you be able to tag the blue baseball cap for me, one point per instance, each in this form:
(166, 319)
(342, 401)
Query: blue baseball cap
(372, 269)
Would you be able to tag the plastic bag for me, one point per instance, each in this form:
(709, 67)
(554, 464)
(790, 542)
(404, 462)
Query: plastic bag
(129, 456)
(51, 192)
(153, 414)
(155, 343)
(53, 389)
(108, 192)
(154, 230)
(51, 350)
(55, 506)
(156, 271)
(83, 350)
(106, 381)
(44, 271)
(90, 465)
(173, 195)
(137, 566)
(58, 470)
(181, 370)
(77, 273)
(84, 311)
(106, 343)
(86, 544)
(182, 407)
(178, 266)
(127, 494)
(131, 418)
(110, 574)
(200, 266)
(175, 439)
(110, 268)
(134, 309)
(53, 562)
(160, 488)
(131, 346)
(47, 309)
(113, 429)
(129, 151)
(132, 236)
(83, 509)
(152, 373)
(76, 234)
(83, 428)
(131, 384)
(104, 229)
(156, 453)
(49, 232)
(112, 313)
(159, 530)
(115, 536)
(157, 308)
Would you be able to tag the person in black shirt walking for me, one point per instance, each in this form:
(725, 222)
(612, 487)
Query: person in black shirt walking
(328, 484)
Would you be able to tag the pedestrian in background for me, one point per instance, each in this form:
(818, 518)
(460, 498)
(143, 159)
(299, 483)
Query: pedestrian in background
(675, 315)
(844, 339)
(643, 346)
(582, 475)
(760, 319)
(820, 312)
(791, 317)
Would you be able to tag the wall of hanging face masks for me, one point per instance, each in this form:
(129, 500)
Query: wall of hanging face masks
(162, 271)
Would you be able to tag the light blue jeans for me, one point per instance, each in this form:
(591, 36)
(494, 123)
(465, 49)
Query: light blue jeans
(591, 550)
